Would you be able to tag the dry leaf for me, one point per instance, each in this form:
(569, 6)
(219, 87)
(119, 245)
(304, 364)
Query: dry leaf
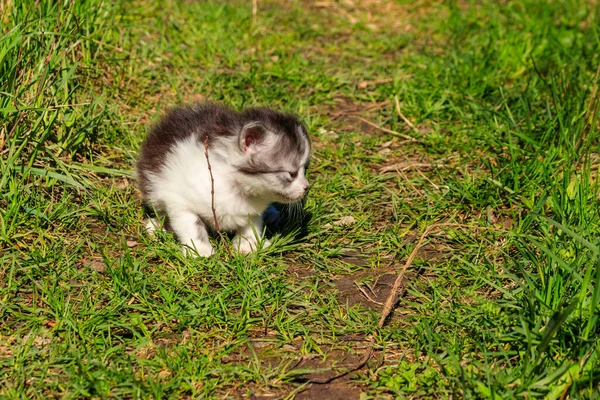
(344, 221)
(122, 183)
(97, 266)
(164, 374)
(365, 84)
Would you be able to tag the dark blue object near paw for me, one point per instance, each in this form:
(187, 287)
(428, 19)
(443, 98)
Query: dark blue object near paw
(271, 214)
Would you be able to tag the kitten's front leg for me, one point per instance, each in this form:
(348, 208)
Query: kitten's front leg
(191, 232)
(153, 225)
(248, 237)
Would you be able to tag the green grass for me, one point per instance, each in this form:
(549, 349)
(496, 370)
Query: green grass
(504, 103)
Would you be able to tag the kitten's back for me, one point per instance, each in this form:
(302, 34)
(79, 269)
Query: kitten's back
(180, 124)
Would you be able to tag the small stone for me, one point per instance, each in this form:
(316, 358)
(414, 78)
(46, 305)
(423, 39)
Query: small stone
(97, 266)
(122, 184)
(344, 221)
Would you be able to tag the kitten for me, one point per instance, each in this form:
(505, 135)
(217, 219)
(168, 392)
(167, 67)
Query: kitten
(257, 157)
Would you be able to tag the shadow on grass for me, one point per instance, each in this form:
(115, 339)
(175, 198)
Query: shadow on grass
(287, 219)
(283, 219)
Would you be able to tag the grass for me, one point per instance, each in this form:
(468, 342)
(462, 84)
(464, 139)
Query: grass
(503, 99)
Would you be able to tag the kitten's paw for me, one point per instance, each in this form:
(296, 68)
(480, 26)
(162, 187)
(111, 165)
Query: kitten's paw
(153, 225)
(198, 250)
(246, 246)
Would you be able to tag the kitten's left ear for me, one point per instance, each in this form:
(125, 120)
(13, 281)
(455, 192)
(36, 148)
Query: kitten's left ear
(253, 137)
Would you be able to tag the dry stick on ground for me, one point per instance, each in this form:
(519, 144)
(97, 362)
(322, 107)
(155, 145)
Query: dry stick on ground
(367, 296)
(364, 84)
(402, 135)
(392, 298)
(348, 369)
(427, 179)
(212, 191)
(409, 183)
(356, 109)
(389, 304)
(402, 115)
(404, 166)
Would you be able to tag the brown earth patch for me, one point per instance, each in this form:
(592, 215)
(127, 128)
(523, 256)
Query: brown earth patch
(372, 292)
(370, 287)
(338, 390)
(375, 14)
(310, 376)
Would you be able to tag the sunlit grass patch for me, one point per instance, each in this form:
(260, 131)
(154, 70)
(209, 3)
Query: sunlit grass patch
(482, 118)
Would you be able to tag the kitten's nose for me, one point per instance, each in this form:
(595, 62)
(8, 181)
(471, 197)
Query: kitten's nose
(305, 184)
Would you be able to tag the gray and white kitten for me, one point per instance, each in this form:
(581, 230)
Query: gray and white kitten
(257, 157)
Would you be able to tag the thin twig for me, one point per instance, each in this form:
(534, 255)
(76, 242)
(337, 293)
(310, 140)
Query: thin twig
(427, 179)
(351, 112)
(405, 166)
(346, 369)
(402, 135)
(403, 117)
(409, 183)
(367, 296)
(212, 190)
(120, 50)
(392, 298)
(365, 84)
(254, 11)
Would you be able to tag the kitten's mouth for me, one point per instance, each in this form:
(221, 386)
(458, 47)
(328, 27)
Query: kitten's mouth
(288, 200)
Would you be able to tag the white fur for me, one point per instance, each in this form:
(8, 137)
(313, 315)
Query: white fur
(182, 189)
(152, 225)
(184, 185)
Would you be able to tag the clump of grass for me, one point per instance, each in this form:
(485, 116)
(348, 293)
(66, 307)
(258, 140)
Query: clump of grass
(50, 111)
(500, 302)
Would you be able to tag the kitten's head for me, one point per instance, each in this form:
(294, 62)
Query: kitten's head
(274, 153)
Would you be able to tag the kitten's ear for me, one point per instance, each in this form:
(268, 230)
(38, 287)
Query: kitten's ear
(253, 137)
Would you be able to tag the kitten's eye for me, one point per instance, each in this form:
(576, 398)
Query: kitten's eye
(293, 175)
